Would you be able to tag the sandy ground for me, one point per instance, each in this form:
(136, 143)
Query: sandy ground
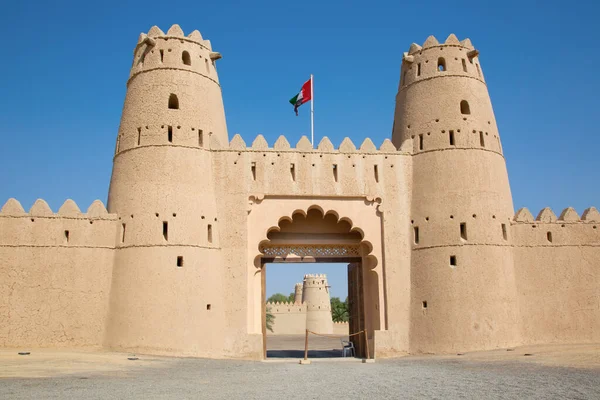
(550, 372)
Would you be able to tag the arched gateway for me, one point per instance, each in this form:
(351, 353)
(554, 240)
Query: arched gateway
(287, 229)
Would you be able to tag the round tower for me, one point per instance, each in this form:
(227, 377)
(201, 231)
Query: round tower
(298, 293)
(315, 293)
(463, 290)
(166, 293)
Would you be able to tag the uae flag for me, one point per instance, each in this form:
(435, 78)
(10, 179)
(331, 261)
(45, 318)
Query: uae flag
(302, 97)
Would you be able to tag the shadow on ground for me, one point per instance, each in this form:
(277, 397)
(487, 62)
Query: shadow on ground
(334, 353)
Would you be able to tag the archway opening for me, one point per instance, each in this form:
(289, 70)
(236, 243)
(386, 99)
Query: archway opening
(303, 243)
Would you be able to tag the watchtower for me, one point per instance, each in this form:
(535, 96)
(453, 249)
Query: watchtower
(463, 289)
(162, 188)
(315, 293)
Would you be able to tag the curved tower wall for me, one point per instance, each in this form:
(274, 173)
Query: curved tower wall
(298, 293)
(463, 289)
(315, 294)
(166, 293)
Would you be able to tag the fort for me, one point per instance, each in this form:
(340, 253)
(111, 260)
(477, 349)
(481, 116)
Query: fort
(310, 310)
(439, 262)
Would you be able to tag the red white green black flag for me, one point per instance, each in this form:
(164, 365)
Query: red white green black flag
(304, 96)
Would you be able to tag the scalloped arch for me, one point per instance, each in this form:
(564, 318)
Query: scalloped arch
(324, 212)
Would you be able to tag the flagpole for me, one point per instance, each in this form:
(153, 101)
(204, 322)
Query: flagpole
(312, 112)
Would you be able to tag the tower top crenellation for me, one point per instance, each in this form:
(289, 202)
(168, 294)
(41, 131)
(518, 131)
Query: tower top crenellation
(174, 32)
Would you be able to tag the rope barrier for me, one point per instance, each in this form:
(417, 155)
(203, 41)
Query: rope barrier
(334, 336)
(329, 335)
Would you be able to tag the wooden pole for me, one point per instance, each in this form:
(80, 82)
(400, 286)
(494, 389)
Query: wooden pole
(306, 346)
(367, 344)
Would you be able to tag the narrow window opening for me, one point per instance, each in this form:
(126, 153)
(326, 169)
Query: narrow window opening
(180, 261)
(173, 102)
(421, 142)
(209, 233)
(208, 307)
(424, 304)
(549, 236)
(453, 261)
(504, 234)
(293, 172)
(481, 139)
(452, 138)
(162, 55)
(404, 78)
(67, 236)
(416, 234)
(464, 65)
(139, 135)
(166, 230)
(464, 107)
(170, 134)
(185, 57)
(478, 70)
(419, 69)
(376, 172)
(335, 172)
(200, 138)
(206, 64)
(253, 169)
(463, 230)
(441, 64)
(123, 233)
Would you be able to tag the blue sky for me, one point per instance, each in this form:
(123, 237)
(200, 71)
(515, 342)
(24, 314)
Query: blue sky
(65, 64)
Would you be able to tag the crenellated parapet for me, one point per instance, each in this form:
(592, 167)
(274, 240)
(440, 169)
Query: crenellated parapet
(286, 308)
(41, 227)
(260, 144)
(434, 59)
(174, 50)
(69, 209)
(546, 229)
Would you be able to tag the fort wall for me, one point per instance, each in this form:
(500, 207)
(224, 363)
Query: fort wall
(341, 328)
(290, 318)
(558, 274)
(56, 273)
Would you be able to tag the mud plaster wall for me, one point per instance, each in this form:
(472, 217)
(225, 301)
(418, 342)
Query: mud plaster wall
(54, 291)
(290, 318)
(557, 281)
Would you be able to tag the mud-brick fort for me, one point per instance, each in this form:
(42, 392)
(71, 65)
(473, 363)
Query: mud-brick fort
(438, 260)
(310, 310)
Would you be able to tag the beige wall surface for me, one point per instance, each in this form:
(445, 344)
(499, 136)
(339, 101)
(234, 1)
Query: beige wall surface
(290, 318)
(55, 285)
(558, 276)
(341, 328)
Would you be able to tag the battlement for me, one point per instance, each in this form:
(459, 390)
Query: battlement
(315, 276)
(174, 32)
(431, 41)
(546, 215)
(174, 50)
(569, 229)
(286, 307)
(69, 227)
(434, 59)
(69, 209)
(304, 145)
